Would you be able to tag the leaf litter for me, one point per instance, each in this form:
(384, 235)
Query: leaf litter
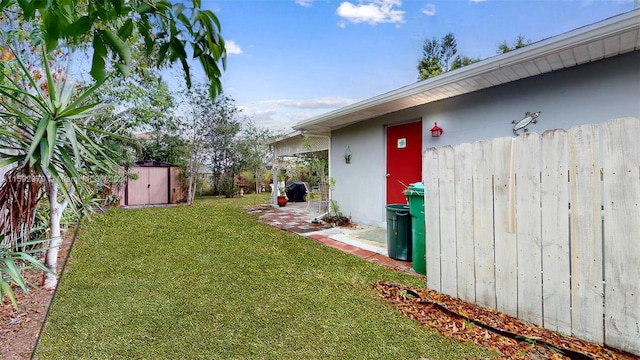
(513, 338)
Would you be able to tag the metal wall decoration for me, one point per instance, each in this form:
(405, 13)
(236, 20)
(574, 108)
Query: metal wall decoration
(526, 121)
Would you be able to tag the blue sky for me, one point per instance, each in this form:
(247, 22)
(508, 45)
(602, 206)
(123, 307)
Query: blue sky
(289, 60)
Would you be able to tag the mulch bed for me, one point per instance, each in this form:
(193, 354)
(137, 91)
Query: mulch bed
(513, 338)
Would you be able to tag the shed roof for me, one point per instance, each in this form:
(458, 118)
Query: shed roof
(611, 37)
(149, 163)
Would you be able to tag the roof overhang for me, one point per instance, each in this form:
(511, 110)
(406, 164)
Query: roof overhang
(298, 143)
(611, 37)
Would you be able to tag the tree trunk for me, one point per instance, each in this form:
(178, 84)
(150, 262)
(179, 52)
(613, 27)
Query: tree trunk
(55, 214)
(194, 165)
(189, 200)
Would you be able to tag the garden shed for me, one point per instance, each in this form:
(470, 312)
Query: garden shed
(156, 183)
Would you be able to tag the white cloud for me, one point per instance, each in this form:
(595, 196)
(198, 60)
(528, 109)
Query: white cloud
(477, 1)
(372, 12)
(265, 117)
(232, 47)
(321, 103)
(282, 114)
(429, 10)
(305, 3)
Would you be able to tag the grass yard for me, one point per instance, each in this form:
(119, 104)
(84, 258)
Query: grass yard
(212, 282)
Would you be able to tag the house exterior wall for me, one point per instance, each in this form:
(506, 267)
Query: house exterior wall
(587, 94)
(359, 187)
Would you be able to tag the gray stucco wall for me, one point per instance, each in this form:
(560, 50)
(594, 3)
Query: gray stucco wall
(586, 94)
(360, 186)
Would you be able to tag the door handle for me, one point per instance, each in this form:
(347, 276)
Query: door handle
(387, 175)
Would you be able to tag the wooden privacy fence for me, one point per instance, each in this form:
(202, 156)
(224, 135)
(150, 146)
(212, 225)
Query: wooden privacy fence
(542, 227)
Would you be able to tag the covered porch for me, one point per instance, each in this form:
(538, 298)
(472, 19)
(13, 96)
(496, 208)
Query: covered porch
(302, 157)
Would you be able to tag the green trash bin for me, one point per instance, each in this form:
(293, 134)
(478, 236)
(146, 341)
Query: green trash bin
(399, 232)
(415, 198)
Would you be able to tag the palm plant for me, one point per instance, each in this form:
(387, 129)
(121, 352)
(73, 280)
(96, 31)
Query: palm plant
(47, 134)
(14, 263)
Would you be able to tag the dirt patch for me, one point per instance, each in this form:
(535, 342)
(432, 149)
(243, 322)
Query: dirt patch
(19, 330)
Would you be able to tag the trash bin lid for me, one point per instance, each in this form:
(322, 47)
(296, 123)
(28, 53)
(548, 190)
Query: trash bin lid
(415, 189)
(397, 207)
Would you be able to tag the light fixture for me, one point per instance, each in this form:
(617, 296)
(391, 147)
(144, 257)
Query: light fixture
(436, 131)
(347, 156)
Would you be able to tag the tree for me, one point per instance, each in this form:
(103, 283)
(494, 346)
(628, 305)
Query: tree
(430, 65)
(461, 61)
(448, 48)
(221, 135)
(518, 43)
(47, 131)
(211, 127)
(164, 147)
(253, 148)
(439, 56)
(141, 104)
(115, 28)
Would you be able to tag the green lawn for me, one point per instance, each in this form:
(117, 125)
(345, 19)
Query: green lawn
(212, 282)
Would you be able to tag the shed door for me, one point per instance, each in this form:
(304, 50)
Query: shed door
(151, 186)
(404, 159)
(137, 189)
(158, 185)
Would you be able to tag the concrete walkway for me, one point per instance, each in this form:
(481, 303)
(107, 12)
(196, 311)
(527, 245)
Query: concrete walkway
(366, 242)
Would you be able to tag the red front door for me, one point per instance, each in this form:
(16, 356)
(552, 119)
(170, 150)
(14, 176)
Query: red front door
(404, 159)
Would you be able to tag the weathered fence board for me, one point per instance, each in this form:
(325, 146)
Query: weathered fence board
(449, 273)
(430, 177)
(506, 252)
(519, 228)
(464, 221)
(483, 224)
(528, 228)
(622, 224)
(586, 233)
(554, 191)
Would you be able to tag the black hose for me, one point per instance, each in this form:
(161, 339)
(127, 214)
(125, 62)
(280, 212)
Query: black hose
(572, 354)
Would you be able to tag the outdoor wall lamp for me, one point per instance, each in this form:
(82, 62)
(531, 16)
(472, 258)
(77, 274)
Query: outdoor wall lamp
(347, 156)
(436, 131)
